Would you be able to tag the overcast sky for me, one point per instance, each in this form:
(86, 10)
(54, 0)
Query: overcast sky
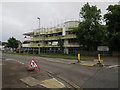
(21, 17)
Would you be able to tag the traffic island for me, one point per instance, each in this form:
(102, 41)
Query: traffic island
(76, 63)
(98, 65)
(84, 63)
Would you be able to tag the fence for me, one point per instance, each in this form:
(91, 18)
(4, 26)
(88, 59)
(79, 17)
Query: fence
(71, 51)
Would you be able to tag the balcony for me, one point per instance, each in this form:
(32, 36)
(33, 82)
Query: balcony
(35, 45)
(59, 29)
(71, 44)
(25, 45)
(37, 39)
(50, 31)
(48, 45)
(27, 39)
(52, 38)
(55, 37)
(69, 36)
(70, 28)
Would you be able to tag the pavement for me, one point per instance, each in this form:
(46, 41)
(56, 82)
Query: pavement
(83, 76)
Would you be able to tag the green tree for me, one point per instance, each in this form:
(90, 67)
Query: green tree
(90, 32)
(12, 43)
(112, 19)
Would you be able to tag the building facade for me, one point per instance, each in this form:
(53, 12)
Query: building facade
(50, 37)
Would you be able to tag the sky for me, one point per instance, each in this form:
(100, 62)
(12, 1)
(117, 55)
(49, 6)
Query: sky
(20, 17)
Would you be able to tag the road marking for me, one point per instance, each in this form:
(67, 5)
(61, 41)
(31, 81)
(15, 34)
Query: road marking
(20, 62)
(10, 59)
(59, 60)
(65, 80)
(52, 83)
(59, 82)
(71, 83)
(113, 66)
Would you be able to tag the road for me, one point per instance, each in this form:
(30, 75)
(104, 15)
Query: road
(82, 76)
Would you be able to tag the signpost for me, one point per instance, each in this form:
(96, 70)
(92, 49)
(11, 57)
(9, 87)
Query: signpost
(103, 48)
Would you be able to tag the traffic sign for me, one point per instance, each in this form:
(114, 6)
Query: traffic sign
(103, 48)
(33, 64)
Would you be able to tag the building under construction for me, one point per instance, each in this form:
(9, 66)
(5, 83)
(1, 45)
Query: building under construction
(48, 39)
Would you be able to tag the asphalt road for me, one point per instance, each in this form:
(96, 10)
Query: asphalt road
(82, 76)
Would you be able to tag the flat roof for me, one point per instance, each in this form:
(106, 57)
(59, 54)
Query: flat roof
(70, 21)
(29, 33)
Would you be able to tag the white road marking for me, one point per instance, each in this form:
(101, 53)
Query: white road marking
(59, 82)
(57, 60)
(113, 66)
(14, 60)
(20, 62)
(10, 59)
(61, 60)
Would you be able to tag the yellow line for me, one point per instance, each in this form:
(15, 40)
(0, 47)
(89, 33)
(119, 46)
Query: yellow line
(71, 83)
(52, 83)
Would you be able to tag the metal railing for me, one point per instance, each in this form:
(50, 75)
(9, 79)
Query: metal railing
(55, 37)
(71, 45)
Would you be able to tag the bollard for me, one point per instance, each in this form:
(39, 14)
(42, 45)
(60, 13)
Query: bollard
(78, 57)
(99, 59)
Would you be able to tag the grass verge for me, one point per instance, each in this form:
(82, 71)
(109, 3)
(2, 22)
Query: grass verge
(55, 56)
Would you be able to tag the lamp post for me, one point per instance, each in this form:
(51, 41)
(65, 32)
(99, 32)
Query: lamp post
(39, 36)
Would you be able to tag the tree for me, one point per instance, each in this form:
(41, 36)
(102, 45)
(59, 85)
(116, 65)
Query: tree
(112, 19)
(90, 32)
(12, 43)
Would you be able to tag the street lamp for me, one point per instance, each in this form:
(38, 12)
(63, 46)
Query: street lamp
(39, 35)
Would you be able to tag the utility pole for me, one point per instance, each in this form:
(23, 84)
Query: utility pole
(39, 36)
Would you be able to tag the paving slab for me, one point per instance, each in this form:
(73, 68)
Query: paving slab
(87, 64)
(96, 60)
(31, 81)
(52, 83)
